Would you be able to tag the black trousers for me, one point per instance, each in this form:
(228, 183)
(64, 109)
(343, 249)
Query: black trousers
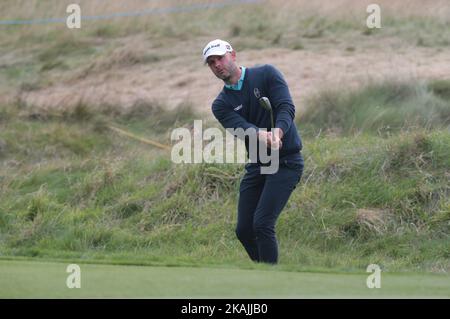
(261, 200)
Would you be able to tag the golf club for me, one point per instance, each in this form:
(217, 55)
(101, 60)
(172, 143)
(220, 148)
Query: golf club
(265, 104)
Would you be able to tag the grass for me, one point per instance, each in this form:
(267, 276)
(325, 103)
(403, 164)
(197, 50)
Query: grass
(39, 56)
(73, 189)
(25, 279)
(375, 187)
(386, 107)
(280, 27)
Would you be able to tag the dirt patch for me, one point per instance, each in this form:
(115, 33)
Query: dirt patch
(372, 219)
(169, 70)
(185, 79)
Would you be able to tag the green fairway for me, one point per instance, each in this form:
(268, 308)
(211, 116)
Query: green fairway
(31, 279)
(118, 153)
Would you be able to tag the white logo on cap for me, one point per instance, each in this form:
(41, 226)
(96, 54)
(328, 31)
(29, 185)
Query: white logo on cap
(217, 46)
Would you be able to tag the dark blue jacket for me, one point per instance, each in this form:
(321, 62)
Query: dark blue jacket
(241, 109)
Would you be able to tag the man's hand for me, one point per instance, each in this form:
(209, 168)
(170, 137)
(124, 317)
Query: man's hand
(272, 139)
(278, 132)
(275, 139)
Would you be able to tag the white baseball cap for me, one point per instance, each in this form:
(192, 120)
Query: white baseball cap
(216, 47)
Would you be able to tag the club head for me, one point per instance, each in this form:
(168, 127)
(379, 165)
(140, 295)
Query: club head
(265, 103)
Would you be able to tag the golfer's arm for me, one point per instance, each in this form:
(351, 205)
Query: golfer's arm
(231, 120)
(280, 98)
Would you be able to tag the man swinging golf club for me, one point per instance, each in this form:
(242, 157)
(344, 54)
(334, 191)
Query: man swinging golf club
(258, 98)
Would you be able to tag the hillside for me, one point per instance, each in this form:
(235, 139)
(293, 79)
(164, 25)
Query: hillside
(72, 188)
(373, 108)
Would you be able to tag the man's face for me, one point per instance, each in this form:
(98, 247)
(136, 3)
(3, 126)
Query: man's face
(223, 66)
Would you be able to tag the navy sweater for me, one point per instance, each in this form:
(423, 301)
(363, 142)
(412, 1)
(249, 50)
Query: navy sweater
(241, 109)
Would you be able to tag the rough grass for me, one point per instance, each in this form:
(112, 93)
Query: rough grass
(385, 203)
(271, 21)
(386, 107)
(54, 48)
(71, 188)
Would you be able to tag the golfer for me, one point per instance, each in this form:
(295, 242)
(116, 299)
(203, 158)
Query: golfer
(261, 196)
